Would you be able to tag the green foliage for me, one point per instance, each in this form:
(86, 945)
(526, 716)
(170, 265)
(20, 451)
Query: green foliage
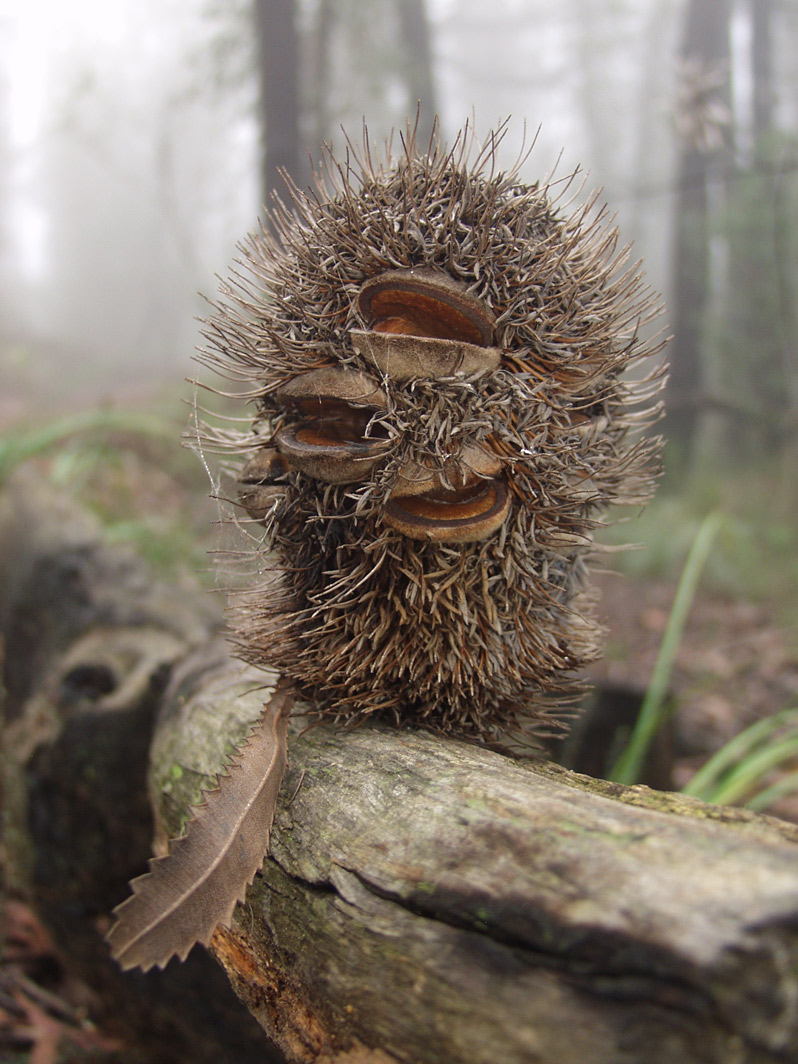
(24, 443)
(738, 770)
(654, 708)
(752, 553)
(127, 467)
(755, 553)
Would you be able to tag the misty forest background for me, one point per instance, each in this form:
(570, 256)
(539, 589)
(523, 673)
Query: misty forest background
(138, 141)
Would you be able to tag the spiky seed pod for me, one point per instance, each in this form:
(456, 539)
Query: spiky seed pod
(436, 353)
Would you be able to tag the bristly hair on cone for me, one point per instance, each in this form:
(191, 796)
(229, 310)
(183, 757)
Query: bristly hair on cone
(451, 375)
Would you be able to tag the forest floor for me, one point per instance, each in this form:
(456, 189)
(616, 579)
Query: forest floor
(736, 664)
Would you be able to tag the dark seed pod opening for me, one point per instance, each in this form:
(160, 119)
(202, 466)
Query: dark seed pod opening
(330, 433)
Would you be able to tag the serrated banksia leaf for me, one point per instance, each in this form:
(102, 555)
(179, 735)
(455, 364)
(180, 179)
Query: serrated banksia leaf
(195, 887)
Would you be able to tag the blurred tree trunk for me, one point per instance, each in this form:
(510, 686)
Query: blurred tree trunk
(761, 14)
(278, 77)
(418, 49)
(321, 37)
(704, 141)
(279, 58)
(759, 371)
(649, 158)
(5, 165)
(590, 25)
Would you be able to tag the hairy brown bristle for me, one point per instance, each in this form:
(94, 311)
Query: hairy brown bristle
(439, 359)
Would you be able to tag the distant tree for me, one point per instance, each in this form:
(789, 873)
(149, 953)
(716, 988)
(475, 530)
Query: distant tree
(759, 327)
(7, 272)
(761, 15)
(703, 130)
(418, 56)
(324, 64)
(277, 58)
(319, 42)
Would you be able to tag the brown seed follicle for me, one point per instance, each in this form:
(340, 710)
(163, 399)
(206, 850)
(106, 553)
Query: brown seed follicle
(422, 324)
(326, 431)
(425, 303)
(407, 357)
(258, 493)
(464, 468)
(265, 466)
(465, 516)
(317, 454)
(333, 382)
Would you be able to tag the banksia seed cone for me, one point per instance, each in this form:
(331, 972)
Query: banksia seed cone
(436, 354)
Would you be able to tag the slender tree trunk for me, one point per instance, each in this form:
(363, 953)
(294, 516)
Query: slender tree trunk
(647, 226)
(703, 144)
(415, 32)
(588, 23)
(759, 315)
(761, 14)
(8, 308)
(278, 67)
(320, 71)
(784, 404)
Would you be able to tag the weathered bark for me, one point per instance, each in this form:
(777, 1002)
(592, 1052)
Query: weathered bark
(439, 902)
(427, 900)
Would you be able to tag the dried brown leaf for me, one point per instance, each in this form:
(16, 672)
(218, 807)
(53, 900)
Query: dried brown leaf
(196, 886)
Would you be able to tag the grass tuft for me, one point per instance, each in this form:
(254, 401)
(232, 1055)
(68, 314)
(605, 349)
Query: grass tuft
(652, 714)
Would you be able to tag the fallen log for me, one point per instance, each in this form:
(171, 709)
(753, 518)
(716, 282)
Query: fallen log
(428, 900)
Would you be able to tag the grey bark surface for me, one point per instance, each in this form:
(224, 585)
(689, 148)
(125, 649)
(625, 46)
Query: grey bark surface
(427, 900)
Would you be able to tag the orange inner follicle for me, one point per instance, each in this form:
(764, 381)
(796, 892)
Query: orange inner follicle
(451, 505)
(414, 314)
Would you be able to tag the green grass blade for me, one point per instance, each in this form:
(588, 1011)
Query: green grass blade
(765, 799)
(628, 767)
(750, 772)
(706, 781)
